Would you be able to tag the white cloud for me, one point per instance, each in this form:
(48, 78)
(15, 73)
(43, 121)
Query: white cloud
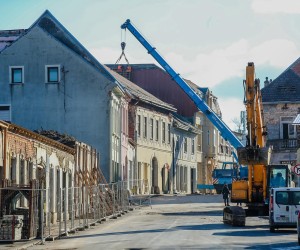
(208, 70)
(276, 6)
(221, 64)
(231, 109)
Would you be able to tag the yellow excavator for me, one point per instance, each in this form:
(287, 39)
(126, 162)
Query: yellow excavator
(254, 190)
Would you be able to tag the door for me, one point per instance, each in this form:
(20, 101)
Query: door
(285, 131)
(295, 205)
(281, 207)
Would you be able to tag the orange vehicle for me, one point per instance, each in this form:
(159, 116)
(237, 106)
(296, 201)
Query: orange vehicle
(253, 191)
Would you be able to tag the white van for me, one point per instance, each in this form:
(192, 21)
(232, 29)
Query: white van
(284, 207)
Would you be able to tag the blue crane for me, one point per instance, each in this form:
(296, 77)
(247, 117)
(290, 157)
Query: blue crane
(225, 131)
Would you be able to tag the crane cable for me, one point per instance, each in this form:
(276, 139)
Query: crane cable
(123, 45)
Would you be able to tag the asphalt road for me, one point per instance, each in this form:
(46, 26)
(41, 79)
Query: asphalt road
(178, 222)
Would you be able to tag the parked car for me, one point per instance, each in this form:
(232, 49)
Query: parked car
(284, 208)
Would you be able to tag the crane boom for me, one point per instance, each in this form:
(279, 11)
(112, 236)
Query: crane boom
(225, 131)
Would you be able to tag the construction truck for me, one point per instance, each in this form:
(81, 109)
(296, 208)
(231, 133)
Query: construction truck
(230, 171)
(254, 189)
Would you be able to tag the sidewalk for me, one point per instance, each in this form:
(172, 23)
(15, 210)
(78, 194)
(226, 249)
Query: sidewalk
(19, 245)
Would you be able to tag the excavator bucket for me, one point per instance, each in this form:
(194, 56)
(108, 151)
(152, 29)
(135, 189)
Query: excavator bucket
(234, 216)
(254, 156)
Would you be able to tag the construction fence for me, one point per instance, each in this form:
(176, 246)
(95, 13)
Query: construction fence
(37, 215)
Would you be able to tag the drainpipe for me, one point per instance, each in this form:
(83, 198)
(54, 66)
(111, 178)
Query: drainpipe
(174, 165)
(135, 178)
(4, 155)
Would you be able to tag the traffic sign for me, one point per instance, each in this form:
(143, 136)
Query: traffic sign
(296, 169)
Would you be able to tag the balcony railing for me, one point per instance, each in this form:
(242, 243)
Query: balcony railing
(284, 144)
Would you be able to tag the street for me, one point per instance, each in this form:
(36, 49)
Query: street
(178, 222)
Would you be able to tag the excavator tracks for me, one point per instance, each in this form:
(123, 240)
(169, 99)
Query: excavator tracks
(234, 215)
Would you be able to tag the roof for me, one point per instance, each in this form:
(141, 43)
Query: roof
(182, 123)
(285, 88)
(146, 66)
(138, 93)
(35, 135)
(53, 27)
(7, 37)
(136, 66)
(297, 120)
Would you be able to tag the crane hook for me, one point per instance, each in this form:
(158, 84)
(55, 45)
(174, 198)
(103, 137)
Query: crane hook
(123, 45)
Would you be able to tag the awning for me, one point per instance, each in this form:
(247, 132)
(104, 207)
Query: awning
(297, 120)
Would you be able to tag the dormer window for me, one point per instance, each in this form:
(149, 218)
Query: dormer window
(52, 74)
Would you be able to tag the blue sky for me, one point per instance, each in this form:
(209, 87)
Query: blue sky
(208, 42)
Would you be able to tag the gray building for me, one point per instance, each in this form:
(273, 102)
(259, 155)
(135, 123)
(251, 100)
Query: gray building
(184, 155)
(281, 103)
(50, 81)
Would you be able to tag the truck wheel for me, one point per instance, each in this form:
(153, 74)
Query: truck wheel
(272, 229)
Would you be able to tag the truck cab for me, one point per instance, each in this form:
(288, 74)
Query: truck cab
(284, 207)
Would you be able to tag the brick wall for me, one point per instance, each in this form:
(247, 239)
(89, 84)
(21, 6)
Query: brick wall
(20, 145)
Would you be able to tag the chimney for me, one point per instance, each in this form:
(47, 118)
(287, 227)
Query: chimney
(266, 82)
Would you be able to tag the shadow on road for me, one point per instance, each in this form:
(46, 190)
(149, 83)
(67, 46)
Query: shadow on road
(248, 231)
(254, 233)
(195, 213)
(284, 245)
(195, 198)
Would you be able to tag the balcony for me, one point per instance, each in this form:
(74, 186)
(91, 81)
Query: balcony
(284, 144)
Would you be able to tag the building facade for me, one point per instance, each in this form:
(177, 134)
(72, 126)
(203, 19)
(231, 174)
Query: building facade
(149, 127)
(32, 162)
(184, 155)
(211, 150)
(50, 81)
(281, 104)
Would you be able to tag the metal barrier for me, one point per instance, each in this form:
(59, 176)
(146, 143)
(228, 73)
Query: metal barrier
(49, 216)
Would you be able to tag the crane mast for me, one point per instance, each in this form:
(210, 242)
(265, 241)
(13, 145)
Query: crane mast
(225, 131)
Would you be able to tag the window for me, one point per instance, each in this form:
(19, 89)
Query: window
(156, 135)
(151, 129)
(145, 127)
(177, 138)
(163, 131)
(52, 74)
(288, 198)
(278, 177)
(282, 197)
(138, 126)
(16, 74)
(185, 145)
(199, 142)
(5, 113)
(169, 133)
(287, 130)
(193, 146)
(221, 149)
(208, 137)
(215, 138)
